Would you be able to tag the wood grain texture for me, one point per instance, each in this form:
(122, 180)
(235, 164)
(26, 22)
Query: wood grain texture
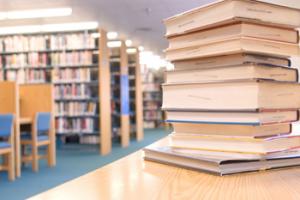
(104, 96)
(138, 99)
(125, 119)
(9, 103)
(133, 178)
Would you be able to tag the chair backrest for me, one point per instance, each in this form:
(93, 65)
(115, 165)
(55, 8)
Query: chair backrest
(6, 123)
(43, 120)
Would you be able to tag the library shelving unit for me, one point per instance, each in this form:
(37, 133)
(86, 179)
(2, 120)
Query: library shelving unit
(126, 93)
(152, 97)
(135, 93)
(120, 93)
(76, 63)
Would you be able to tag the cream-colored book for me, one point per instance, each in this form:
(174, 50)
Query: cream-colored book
(247, 71)
(233, 129)
(228, 11)
(232, 118)
(242, 95)
(231, 60)
(233, 46)
(234, 143)
(241, 29)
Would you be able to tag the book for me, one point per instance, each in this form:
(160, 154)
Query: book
(240, 95)
(231, 60)
(233, 46)
(219, 165)
(254, 131)
(240, 29)
(228, 11)
(238, 155)
(234, 143)
(234, 118)
(246, 71)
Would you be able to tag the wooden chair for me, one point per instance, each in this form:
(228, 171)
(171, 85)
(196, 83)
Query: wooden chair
(39, 136)
(7, 145)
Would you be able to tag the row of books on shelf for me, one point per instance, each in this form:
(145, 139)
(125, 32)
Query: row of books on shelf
(43, 59)
(63, 41)
(89, 139)
(152, 96)
(27, 76)
(78, 91)
(75, 126)
(23, 60)
(72, 58)
(71, 75)
(73, 109)
(152, 115)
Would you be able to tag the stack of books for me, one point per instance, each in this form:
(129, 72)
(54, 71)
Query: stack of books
(232, 96)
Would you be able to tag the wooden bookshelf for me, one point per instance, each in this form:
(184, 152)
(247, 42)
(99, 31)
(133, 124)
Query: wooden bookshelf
(79, 71)
(152, 98)
(124, 96)
(104, 93)
(135, 92)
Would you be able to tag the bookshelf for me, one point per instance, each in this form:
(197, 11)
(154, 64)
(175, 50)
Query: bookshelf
(120, 93)
(75, 62)
(115, 66)
(135, 93)
(127, 115)
(152, 98)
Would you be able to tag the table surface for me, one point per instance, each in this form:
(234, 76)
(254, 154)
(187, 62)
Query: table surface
(133, 178)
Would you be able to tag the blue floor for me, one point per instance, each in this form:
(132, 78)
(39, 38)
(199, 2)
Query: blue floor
(72, 161)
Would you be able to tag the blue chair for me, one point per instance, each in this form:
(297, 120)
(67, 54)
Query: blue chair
(7, 144)
(39, 136)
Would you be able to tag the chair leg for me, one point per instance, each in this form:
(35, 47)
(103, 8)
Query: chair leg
(49, 156)
(11, 166)
(35, 158)
(5, 159)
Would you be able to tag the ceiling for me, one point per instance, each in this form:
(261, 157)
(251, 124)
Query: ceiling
(138, 20)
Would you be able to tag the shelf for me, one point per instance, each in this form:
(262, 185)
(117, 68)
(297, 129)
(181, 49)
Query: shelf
(47, 51)
(95, 65)
(112, 59)
(28, 68)
(152, 100)
(78, 99)
(77, 116)
(76, 82)
(77, 133)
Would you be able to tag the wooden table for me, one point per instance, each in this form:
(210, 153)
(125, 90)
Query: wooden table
(133, 178)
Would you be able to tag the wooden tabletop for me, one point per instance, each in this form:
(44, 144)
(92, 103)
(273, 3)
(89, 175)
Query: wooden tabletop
(133, 178)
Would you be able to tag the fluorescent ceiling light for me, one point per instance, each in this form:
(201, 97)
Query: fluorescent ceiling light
(128, 43)
(36, 13)
(141, 48)
(112, 44)
(131, 50)
(48, 28)
(112, 35)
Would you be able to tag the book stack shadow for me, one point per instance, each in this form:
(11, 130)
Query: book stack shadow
(233, 95)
